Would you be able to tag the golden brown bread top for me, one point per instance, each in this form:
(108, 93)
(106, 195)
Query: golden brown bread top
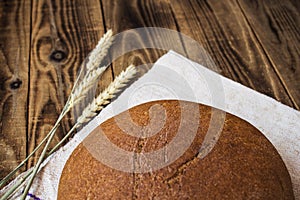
(242, 165)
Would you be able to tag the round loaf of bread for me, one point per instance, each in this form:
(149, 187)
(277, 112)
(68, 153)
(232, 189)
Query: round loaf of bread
(237, 163)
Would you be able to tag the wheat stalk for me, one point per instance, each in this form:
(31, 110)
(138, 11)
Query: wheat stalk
(101, 50)
(95, 59)
(88, 113)
(89, 79)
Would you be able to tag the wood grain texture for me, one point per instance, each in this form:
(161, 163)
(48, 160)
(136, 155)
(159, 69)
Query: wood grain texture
(63, 33)
(123, 15)
(43, 43)
(221, 28)
(14, 57)
(276, 25)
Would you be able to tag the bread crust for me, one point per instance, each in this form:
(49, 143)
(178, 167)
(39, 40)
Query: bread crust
(243, 164)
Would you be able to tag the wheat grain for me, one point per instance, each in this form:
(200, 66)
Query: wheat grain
(105, 97)
(85, 85)
(100, 51)
(93, 69)
(102, 99)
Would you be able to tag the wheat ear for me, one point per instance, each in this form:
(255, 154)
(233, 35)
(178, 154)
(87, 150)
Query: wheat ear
(100, 51)
(85, 85)
(93, 70)
(105, 97)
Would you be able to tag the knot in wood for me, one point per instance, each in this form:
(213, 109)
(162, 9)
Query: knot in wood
(15, 84)
(58, 56)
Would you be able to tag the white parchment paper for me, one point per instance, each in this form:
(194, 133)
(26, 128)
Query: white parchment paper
(175, 77)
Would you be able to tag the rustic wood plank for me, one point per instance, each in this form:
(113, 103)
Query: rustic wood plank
(63, 33)
(14, 56)
(124, 15)
(276, 24)
(221, 28)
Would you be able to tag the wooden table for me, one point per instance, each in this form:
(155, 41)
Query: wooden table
(42, 43)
